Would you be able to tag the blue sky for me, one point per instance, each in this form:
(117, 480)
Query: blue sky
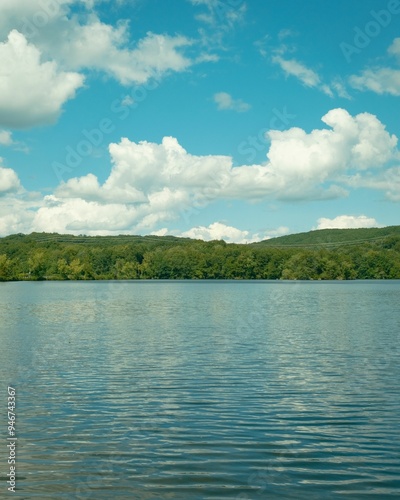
(213, 119)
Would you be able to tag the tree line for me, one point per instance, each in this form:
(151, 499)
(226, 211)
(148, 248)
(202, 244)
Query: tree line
(28, 257)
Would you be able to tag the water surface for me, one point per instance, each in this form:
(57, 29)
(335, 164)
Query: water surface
(203, 390)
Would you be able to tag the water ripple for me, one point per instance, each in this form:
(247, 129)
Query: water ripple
(205, 391)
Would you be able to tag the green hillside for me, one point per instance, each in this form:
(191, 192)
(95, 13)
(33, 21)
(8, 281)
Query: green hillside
(332, 237)
(318, 255)
(44, 239)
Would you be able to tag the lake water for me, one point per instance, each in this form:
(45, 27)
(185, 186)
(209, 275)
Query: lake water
(202, 390)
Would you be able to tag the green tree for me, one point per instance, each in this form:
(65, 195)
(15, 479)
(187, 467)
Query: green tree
(6, 268)
(37, 264)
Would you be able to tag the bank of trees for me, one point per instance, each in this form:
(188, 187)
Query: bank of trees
(51, 257)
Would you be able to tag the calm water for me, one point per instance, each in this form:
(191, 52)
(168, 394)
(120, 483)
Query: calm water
(202, 390)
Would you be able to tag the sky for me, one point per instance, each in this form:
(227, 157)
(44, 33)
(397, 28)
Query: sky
(238, 120)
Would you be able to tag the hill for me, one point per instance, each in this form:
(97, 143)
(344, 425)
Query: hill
(325, 238)
(44, 239)
(334, 254)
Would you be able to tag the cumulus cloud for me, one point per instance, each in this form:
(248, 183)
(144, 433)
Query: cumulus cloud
(357, 142)
(300, 164)
(47, 47)
(15, 222)
(82, 216)
(150, 184)
(17, 213)
(85, 43)
(221, 231)
(347, 222)
(29, 15)
(32, 92)
(9, 181)
(225, 101)
(17, 206)
(153, 183)
(104, 50)
(158, 181)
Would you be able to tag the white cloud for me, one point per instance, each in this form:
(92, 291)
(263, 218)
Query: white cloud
(157, 181)
(81, 216)
(394, 49)
(18, 209)
(9, 181)
(301, 164)
(15, 221)
(387, 181)
(307, 76)
(353, 142)
(262, 45)
(219, 231)
(339, 87)
(161, 182)
(17, 13)
(294, 68)
(225, 101)
(85, 43)
(347, 222)
(227, 14)
(150, 184)
(100, 46)
(204, 57)
(218, 19)
(6, 138)
(230, 234)
(31, 92)
(286, 33)
(379, 80)
(326, 89)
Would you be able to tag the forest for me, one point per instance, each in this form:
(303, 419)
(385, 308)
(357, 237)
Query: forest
(317, 255)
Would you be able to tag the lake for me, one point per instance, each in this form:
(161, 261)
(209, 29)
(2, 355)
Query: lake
(202, 389)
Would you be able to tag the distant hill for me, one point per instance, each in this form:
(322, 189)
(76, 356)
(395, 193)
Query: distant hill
(92, 240)
(331, 238)
(319, 238)
(333, 254)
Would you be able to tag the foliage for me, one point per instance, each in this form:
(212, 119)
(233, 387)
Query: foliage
(331, 238)
(318, 255)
